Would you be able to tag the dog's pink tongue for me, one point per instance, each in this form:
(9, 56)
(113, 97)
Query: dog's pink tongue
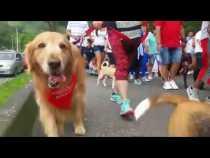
(61, 78)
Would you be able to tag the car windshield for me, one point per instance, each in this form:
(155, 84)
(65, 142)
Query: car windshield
(7, 56)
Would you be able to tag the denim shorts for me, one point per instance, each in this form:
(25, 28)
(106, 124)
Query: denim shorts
(98, 49)
(170, 56)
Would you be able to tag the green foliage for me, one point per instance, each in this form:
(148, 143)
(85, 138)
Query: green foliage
(11, 87)
(27, 30)
(192, 26)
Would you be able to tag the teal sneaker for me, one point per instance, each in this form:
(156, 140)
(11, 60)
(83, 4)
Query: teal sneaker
(116, 98)
(126, 110)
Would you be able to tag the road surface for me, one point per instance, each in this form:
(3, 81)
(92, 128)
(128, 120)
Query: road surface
(102, 116)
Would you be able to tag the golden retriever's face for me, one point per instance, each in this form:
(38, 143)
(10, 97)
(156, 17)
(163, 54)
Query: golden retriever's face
(50, 51)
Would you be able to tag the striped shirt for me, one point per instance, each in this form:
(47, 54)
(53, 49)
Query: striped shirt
(132, 29)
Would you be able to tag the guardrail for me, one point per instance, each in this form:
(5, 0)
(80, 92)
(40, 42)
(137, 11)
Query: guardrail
(17, 117)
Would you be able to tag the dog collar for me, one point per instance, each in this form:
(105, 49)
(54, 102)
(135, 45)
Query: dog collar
(61, 98)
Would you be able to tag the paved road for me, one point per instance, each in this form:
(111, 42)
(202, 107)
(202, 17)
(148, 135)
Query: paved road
(102, 116)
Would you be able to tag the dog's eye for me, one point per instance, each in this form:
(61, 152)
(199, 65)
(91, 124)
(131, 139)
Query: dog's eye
(62, 46)
(42, 45)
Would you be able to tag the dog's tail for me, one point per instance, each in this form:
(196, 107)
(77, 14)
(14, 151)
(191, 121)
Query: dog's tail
(148, 103)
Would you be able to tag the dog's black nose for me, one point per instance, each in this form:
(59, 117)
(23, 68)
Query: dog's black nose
(54, 64)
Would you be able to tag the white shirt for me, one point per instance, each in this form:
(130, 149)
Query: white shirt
(198, 48)
(189, 46)
(204, 32)
(100, 39)
(77, 28)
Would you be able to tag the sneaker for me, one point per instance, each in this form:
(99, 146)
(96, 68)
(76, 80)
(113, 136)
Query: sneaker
(173, 84)
(145, 79)
(131, 77)
(150, 77)
(167, 85)
(208, 99)
(192, 93)
(190, 72)
(137, 82)
(126, 110)
(116, 99)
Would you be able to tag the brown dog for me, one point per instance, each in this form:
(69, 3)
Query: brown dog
(189, 119)
(58, 74)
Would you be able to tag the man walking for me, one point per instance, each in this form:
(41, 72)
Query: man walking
(169, 36)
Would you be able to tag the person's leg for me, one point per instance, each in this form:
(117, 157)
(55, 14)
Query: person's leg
(204, 45)
(144, 64)
(193, 91)
(164, 63)
(165, 60)
(122, 67)
(123, 88)
(98, 61)
(150, 66)
(176, 57)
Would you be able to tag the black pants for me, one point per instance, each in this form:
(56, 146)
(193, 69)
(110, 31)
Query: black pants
(199, 65)
(135, 64)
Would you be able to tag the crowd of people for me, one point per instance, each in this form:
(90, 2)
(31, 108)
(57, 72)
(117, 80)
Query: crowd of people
(141, 52)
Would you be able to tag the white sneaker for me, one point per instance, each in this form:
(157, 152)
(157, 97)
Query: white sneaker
(173, 84)
(145, 79)
(131, 77)
(150, 77)
(167, 85)
(137, 82)
(190, 72)
(192, 93)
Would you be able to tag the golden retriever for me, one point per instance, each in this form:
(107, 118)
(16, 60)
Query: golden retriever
(57, 69)
(189, 119)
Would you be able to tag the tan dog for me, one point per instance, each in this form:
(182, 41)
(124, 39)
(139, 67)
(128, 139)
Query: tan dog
(58, 74)
(189, 119)
(106, 71)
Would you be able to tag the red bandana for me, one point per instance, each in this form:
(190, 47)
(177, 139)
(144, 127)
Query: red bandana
(62, 98)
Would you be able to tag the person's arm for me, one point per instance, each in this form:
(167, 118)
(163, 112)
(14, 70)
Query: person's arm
(158, 38)
(182, 34)
(68, 28)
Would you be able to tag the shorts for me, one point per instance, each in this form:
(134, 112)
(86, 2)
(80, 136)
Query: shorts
(170, 56)
(98, 49)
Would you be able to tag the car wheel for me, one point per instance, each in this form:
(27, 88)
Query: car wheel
(15, 72)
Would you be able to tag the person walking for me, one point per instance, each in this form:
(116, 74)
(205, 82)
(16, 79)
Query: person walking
(169, 36)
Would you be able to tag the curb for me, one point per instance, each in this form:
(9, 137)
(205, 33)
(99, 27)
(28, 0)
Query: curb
(18, 115)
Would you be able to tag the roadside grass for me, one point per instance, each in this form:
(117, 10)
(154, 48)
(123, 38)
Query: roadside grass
(10, 87)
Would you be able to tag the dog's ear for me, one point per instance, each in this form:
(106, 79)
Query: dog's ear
(28, 56)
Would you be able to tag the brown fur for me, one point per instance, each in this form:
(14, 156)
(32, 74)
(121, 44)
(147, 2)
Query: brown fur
(189, 119)
(53, 119)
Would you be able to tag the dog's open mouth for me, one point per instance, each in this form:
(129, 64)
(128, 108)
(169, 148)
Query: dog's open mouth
(55, 80)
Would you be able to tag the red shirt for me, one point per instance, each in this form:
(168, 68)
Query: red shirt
(170, 32)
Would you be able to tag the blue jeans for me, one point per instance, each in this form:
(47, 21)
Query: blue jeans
(143, 64)
(170, 56)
